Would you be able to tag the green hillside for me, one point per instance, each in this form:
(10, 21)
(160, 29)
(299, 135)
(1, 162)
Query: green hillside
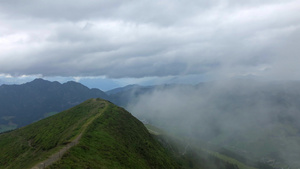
(116, 140)
(98, 134)
(109, 137)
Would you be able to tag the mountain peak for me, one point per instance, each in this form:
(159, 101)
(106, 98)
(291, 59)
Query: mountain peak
(39, 80)
(73, 83)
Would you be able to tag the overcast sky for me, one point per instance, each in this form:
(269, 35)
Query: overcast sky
(119, 42)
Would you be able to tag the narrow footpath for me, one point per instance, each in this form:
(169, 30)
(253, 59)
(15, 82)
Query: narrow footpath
(55, 157)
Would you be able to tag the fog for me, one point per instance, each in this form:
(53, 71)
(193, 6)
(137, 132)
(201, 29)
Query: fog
(256, 119)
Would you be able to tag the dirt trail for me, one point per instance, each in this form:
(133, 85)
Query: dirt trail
(55, 157)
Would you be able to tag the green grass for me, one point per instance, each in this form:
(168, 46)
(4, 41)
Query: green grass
(111, 138)
(25, 147)
(116, 139)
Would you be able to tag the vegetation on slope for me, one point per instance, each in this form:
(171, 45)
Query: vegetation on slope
(25, 147)
(195, 154)
(189, 155)
(110, 138)
(116, 140)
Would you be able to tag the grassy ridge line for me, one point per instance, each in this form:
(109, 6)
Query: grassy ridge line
(57, 155)
(116, 140)
(89, 121)
(25, 147)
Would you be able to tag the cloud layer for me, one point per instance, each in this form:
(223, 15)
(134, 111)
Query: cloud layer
(251, 118)
(119, 39)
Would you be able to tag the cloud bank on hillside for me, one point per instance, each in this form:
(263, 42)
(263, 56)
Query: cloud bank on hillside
(255, 119)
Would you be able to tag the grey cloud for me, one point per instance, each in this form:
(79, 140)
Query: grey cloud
(58, 10)
(230, 114)
(146, 38)
(163, 12)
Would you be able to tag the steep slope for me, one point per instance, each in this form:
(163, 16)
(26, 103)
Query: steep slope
(23, 104)
(116, 140)
(196, 154)
(27, 146)
(109, 137)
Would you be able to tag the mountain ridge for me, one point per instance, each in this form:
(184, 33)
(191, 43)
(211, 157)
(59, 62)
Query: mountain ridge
(125, 142)
(23, 104)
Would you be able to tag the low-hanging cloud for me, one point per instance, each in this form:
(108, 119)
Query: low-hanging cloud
(138, 39)
(259, 120)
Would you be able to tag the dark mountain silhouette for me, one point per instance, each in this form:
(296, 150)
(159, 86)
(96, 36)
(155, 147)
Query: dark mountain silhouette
(23, 104)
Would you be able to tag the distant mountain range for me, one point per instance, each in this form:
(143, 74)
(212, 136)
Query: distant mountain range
(23, 104)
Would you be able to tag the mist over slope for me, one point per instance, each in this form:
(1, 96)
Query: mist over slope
(256, 119)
